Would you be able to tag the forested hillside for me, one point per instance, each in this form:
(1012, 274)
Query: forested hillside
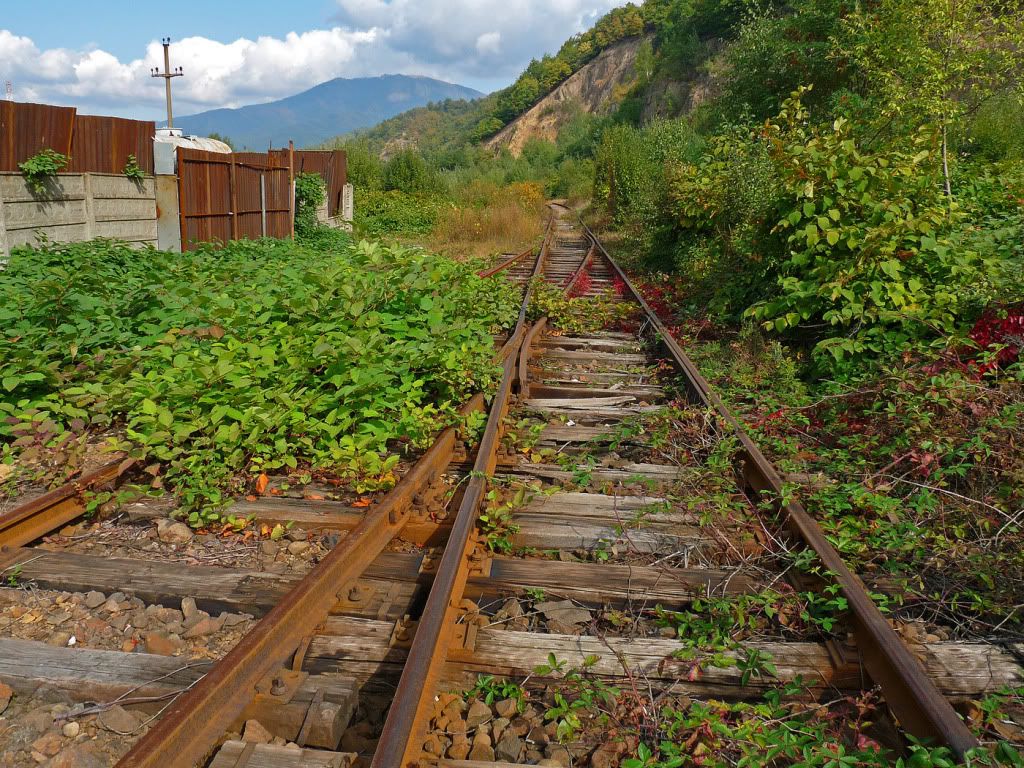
(855, 173)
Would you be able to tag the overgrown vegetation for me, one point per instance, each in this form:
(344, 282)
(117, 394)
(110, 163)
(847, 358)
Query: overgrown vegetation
(331, 358)
(40, 169)
(310, 194)
(133, 170)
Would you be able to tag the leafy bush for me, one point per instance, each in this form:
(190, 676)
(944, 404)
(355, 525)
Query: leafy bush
(310, 194)
(133, 170)
(408, 172)
(396, 213)
(630, 182)
(323, 358)
(871, 250)
(40, 169)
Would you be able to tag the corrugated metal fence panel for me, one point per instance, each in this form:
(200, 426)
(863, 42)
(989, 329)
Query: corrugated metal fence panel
(244, 195)
(248, 197)
(279, 203)
(204, 184)
(103, 144)
(27, 129)
(332, 165)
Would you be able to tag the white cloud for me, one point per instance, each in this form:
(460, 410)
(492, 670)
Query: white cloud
(217, 74)
(475, 38)
(475, 42)
(488, 42)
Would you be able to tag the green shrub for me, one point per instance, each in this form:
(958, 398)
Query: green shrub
(40, 169)
(133, 170)
(396, 213)
(873, 245)
(996, 132)
(408, 172)
(319, 358)
(310, 194)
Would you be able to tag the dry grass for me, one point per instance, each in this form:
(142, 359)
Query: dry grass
(491, 221)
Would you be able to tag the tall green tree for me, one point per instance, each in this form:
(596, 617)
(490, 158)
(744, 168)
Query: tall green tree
(933, 61)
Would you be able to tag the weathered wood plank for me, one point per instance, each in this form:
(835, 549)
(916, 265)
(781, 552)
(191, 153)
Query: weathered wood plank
(156, 582)
(387, 590)
(559, 433)
(661, 474)
(239, 754)
(630, 346)
(612, 358)
(960, 670)
(570, 385)
(648, 394)
(590, 377)
(612, 584)
(84, 674)
(608, 404)
(548, 532)
(308, 514)
(215, 589)
(588, 411)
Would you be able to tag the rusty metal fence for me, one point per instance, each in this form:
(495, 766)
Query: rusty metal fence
(95, 144)
(332, 165)
(236, 196)
(221, 196)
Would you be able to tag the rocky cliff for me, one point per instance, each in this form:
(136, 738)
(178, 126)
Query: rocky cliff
(596, 89)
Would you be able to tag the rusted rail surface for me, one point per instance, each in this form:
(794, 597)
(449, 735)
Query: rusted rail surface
(50, 511)
(912, 697)
(505, 264)
(401, 739)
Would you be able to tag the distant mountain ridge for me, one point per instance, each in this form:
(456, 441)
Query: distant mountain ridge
(335, 107)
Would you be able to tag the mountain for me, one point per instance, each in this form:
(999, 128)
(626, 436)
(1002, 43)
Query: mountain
(337, 106)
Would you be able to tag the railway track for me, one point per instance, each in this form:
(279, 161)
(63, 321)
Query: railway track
(566, 550)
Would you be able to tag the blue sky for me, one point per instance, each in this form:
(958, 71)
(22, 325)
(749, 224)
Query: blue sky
(97, 55)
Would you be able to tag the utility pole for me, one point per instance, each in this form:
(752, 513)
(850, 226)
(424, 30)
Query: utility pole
(167, 74)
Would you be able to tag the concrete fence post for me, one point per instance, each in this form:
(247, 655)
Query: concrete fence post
(89, 206)
(5, 247)
(348, 203)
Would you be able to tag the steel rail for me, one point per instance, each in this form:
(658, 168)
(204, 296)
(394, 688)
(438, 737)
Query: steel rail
(524, 357)
(44, 514)
(195, 721)
(401, 740)
(575, 276)
(504, 265)
(909, 693)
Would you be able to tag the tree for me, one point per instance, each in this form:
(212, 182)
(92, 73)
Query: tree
(644, 64)
(226, 139)
(408, 172)
(933, 61)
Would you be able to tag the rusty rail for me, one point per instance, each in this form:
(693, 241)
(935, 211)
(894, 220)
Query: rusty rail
(401, 740)
(504, 265)
(909, 692)
(44, 514)
(580, 270)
